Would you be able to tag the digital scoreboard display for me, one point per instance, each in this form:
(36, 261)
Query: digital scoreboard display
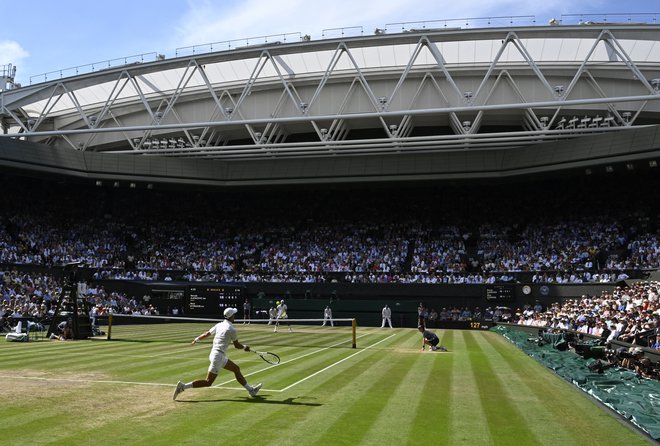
(503, 292)
(213, 299)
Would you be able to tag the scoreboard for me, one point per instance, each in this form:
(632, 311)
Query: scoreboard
(500, 292)
(212, 299)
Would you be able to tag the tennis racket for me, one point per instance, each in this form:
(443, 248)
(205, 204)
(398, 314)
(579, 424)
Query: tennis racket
(270, 358)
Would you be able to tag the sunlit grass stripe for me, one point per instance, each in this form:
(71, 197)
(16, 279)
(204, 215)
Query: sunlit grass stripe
(22, 421)
(434, 405)
(69, 358)
(42, 349)
(529, 389)
(247, 416)
(570, 416)
(503, 418)
(467, 416)
(264, 426)
(339, 388)
(414, 402)
(358, 401)
(107, 424)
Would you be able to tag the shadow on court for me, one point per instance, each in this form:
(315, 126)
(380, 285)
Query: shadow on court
(255, 400)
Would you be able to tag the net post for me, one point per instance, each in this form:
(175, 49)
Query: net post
(110, 326)
(353, 330)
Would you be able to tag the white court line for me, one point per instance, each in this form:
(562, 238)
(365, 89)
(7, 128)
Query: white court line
(105, 381)
(78, 380)
(290, 360)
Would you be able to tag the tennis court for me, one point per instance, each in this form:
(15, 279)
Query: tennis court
(385, 391)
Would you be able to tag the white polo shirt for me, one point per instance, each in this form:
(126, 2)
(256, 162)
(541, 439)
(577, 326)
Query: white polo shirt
(224, 334)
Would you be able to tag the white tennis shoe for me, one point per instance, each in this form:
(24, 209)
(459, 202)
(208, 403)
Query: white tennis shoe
(178, 390)
(254, 389)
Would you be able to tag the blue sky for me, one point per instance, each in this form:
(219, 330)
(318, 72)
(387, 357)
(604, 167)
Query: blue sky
(44, 35)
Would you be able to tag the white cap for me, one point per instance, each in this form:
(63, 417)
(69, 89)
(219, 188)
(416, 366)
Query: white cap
(229, 312)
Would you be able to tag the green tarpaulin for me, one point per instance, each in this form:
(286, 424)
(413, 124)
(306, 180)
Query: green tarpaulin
(636, 399)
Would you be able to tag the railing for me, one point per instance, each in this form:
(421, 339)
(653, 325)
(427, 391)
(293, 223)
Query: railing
(225, 45)
(470, 22)
(599, 19)
(355, 31)
(93, 67)
(334, 33)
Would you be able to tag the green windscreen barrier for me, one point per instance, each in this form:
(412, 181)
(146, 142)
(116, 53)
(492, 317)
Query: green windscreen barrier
(636, 399)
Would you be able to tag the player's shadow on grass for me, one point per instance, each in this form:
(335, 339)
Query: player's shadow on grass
(256, 400)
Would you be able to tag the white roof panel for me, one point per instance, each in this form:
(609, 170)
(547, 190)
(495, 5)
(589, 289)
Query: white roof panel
(306, 60)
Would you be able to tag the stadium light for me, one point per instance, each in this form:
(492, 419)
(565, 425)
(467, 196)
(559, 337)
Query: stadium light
(303, 106)
(150, 186)
(609, 169)
(467, 125)
(588, 171)
(132, 185)
(655, 83)
(653, 163)
(115, 184)
(559, 90)
(626, 116)
(229, 110)
(630, 166)
(99, 183)
(544, 121)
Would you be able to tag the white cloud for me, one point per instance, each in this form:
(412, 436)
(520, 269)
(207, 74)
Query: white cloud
(12, 53)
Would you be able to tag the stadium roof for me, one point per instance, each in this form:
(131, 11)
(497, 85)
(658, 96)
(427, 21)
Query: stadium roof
(389, 94)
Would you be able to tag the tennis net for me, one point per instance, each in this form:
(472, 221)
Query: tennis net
(288, 332)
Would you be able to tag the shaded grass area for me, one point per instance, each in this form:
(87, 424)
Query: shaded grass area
(483, 391)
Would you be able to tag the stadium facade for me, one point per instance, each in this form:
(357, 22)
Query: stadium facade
(404, 103)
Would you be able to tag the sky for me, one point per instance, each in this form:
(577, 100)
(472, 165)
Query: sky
(42, 36)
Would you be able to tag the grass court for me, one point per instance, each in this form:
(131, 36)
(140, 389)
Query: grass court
(484, 391)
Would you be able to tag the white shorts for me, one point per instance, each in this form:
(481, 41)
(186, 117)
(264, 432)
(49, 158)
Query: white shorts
(218, 361)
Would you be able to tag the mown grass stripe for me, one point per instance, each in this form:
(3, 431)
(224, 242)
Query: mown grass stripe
(336, 418)
(466, 420)
(529, 389)
(418, 415)
(502, 417)
(363, 412)
(553, 400)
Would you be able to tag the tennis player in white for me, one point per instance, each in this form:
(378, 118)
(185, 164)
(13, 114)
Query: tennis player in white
(223, 333)
(281, 315)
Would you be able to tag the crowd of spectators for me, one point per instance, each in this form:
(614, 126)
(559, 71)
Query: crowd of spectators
(407, 236)
(629, 314)
(33, 295)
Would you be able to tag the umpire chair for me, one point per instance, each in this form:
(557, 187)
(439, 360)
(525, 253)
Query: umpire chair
(72, 305)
